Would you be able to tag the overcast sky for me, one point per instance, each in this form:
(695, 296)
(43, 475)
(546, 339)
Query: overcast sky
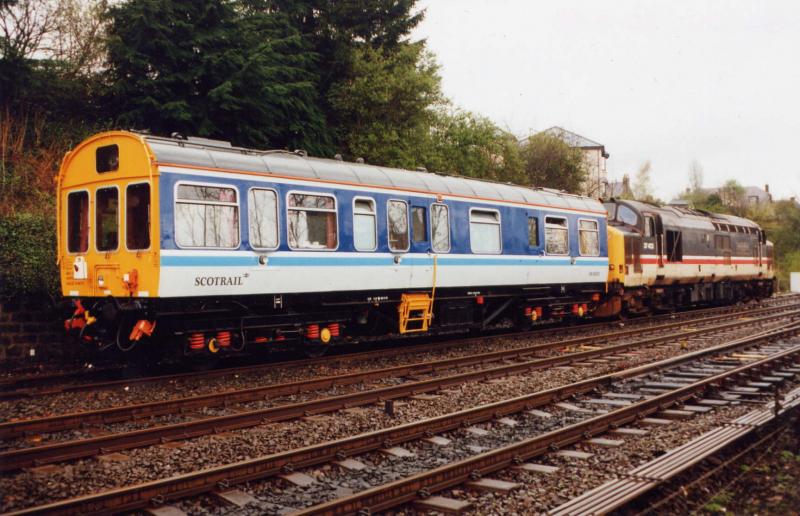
(670, 82)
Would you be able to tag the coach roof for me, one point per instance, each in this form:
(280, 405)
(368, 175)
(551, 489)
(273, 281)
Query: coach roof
(209, 154)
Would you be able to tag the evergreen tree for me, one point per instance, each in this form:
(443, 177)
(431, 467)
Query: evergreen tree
(210, 68)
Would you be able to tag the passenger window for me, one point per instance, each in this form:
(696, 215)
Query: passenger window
(78, 222)
(556, 235)
(533, 232)
(440, 228)
(262, 217)
(107, 159)
(397, 213)
(419, 230)
(484, 231)
(137, 216)
(589, 238)
(206, 216)
(312, 222)
(106, 219)
(365, 229)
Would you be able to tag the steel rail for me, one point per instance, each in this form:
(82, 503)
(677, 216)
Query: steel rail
(344, 357)
(203, 481)
(408, 489)
(69, 421)
(74, 449)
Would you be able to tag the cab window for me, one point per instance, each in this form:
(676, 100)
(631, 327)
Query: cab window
(106, 215)
(627, 216)
(137, 216)
(78, 222)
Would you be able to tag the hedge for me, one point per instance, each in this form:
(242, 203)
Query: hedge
(28, 256)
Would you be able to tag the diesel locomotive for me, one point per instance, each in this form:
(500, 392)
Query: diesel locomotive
(196, 246)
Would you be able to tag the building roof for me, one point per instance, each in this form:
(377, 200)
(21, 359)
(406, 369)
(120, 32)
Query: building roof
(750, 192)
(210, 154)
(576, 140)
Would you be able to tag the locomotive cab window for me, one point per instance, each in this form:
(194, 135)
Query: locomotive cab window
(397, 216)
(206, 216)
(627, 216)
(484, 231)
(365, 226)
(419, 231)
(312, 222)
(78, 222)
(589, 237)
(262, 218)
(106, 219)
(137, 216)
(533, 232)
(107, 159)
(556, 235)
(440, 228)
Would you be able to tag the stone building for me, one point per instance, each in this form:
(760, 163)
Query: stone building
(594, 158)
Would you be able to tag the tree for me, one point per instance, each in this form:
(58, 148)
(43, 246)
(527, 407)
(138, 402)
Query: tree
(385, 105)
(339, 33)
(642, 189)
(213, 69)
(733, 197)
(695, 176)
(471, 145)
(551, 163)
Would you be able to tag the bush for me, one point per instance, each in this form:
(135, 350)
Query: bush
(28, 256)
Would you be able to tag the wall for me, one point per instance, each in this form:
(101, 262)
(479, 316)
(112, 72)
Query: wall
(30, 332)
(596, 172)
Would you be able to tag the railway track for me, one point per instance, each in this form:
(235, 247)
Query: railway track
(72, 449)
(721, 367)
(88, 380)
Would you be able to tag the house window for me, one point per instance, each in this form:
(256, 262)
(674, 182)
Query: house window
(262, 217)
(206, 216)
(419, 231)
(106, 219)
(484, 231)
(397, 214)
(589, 238)
(365, 228)
(312, 221)
(78, 222)
(533, 232)
(137, 216)
(440, 228)
(556, 235)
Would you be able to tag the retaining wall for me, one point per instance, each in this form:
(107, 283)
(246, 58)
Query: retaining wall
(30, 332)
